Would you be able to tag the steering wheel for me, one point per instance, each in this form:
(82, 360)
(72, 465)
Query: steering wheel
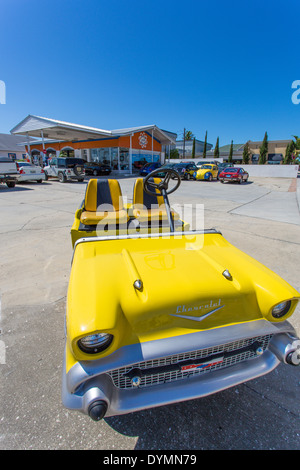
(162, 188)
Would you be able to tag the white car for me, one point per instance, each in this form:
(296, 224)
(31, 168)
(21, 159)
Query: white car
(65, 169)
(30, 172)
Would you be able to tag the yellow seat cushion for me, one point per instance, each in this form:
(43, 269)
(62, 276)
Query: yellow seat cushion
(103, 218)
(155, 214)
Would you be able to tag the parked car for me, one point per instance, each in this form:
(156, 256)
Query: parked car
(150, 322)
(184, 168)
(149, 167)
(165, 166)
(139, 164)
(65, 169)
(204, 162)
(190, 168)
(234, 174)
(30, 172)
(95, 169)
(8, 172)
(206, 172)
(221, 167)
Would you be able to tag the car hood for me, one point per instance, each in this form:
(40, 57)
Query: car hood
(183, 288)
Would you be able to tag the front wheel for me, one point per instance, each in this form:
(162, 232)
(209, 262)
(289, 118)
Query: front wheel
(222, 181)
(10, 184)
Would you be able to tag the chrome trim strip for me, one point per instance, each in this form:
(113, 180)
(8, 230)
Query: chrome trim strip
(146, 235)
(199, 318)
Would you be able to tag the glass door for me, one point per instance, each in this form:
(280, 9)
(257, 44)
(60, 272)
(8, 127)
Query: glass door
(124, 159)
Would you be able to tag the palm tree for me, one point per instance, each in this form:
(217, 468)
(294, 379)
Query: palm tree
(188, 135)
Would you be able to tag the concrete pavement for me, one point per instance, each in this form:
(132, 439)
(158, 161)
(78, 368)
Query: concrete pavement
(261, 218)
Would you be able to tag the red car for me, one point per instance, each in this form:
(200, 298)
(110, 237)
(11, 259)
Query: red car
(234, 174)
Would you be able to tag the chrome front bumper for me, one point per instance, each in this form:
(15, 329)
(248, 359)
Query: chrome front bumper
(93, 382)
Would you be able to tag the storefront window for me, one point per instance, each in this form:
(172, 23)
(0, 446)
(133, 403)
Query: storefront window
(119, 158)
(124, 159)
(114, 158)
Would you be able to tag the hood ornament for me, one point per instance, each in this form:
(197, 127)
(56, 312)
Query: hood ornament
(227, 274)
(138, 284)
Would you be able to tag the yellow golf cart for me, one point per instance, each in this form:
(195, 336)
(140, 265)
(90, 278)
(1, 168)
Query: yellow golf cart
(158, 313)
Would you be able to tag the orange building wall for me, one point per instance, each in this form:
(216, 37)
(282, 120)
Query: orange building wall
(123, 141)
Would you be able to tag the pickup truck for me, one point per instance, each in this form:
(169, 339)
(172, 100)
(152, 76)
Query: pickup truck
(8, 172)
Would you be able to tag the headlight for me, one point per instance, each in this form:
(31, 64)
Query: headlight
(93, 344)
(281, 309)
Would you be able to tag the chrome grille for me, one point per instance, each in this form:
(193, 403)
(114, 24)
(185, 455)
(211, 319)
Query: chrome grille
(122, 382)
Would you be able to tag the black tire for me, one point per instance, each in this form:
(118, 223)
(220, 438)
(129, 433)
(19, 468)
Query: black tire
(222, 181)
(10, 184)
(62, 178)
(77, 171)
(80, 180)
(39, 181)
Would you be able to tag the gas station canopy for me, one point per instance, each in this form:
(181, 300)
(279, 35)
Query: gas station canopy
(52, 129)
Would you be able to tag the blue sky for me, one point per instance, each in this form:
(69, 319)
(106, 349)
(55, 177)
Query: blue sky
(222, 66)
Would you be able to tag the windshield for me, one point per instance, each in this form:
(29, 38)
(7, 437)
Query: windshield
(74, 161)
(169, 165)
(205, 167)
(231, 170)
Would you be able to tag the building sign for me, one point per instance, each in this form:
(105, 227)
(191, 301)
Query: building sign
(143, 140)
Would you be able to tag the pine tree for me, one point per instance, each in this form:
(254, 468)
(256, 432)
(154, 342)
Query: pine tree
(288, 159)
(204, 148)
(217, 150)
(246, 153)
(230, 159)
(194, 148)
(263, 151)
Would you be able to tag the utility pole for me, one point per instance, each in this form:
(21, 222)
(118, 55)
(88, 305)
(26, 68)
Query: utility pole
(183, 143)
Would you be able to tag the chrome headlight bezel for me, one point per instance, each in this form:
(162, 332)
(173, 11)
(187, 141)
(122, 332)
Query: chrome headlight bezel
(95, 343)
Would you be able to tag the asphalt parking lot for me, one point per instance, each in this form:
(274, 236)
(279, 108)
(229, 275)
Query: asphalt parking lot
(261, 218)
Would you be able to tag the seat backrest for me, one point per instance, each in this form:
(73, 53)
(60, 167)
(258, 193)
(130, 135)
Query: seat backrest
(140, 197)
(104, 193)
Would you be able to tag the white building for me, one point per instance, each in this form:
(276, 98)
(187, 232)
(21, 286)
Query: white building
(10, 146)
